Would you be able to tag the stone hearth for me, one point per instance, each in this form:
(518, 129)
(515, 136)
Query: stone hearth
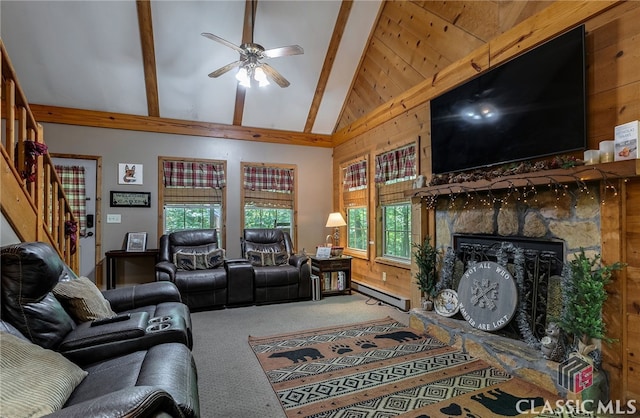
(513, 356)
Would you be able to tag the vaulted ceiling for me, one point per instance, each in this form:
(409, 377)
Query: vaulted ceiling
(143, 64)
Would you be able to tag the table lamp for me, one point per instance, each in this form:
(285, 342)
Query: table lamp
(336, 220)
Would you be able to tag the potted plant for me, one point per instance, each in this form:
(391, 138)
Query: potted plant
(583, 286)
(426, 258)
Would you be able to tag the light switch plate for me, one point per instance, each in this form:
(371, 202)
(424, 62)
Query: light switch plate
(114, 218)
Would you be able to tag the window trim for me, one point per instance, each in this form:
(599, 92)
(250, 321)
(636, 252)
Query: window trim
(361, 254)
(366, 243)
(389, 257)
(223, 204)
(294, 220)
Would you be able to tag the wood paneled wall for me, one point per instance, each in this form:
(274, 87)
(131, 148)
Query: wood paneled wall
(411, 47)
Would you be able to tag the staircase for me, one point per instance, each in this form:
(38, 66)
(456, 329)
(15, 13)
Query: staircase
(31, 196)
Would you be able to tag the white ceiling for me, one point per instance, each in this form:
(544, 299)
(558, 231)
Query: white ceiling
(87, 55)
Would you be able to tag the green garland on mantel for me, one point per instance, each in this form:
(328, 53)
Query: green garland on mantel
(562, 161)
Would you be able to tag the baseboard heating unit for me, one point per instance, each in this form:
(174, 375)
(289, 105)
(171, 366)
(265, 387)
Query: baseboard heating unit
(393, 300)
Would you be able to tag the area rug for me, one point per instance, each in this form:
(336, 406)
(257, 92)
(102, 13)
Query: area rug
(383, 368)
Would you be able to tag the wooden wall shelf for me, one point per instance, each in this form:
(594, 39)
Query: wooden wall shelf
(584, 173)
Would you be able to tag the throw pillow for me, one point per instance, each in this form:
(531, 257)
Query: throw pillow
(35, 381)
(184, 260)
(82, 299)
(265, 259)
(194, 260)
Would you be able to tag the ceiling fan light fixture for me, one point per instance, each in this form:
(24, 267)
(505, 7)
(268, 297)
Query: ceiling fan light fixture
(260, 77)
(243, 77)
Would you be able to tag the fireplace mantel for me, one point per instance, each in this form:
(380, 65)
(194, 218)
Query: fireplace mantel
(584, 173)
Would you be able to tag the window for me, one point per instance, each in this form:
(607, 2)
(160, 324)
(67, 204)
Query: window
(191, 216)
(268, 195)
(355, 200)
(257, 217)
(396, 241)
(395, 171)
(192, 195)
(357, 228)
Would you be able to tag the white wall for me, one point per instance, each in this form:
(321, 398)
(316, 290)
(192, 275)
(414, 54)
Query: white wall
(314, 168)
(7, 235)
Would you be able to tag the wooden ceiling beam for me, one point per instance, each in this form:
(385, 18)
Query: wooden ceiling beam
(329, 59)
(97, 119)
(145, 26)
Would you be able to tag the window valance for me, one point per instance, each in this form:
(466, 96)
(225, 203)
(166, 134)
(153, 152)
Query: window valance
(193, 174)
(398, 165)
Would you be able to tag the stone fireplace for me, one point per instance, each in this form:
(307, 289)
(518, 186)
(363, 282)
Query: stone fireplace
(552, 224)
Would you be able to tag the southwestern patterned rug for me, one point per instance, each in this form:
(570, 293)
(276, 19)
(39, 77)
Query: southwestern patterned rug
(384, 369)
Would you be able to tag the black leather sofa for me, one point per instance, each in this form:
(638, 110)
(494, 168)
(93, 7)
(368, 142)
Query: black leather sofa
(139, 365)
(203, 287)
(288, 281)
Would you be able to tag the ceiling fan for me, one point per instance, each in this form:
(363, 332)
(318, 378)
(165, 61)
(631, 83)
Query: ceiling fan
(251, 64)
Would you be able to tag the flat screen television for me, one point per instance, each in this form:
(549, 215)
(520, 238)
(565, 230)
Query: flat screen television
(529, 107)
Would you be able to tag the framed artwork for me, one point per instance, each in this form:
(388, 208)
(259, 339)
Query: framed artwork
(130, 199)
(136, 241)
(323, 252)
(129, 173)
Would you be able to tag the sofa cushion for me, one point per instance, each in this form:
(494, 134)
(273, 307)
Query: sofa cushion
(198, 258)
(35, 381)
(267, 258)
(82, 299)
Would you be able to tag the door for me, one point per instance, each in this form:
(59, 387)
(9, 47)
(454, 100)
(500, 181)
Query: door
(87, 242)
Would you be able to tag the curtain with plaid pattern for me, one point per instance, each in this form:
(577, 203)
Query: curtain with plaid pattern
(262, 178)
(193, 174)
(73, 184)
(355, 175)
(398, 164)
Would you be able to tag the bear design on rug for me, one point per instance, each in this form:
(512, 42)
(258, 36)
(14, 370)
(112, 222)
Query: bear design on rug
(400, 336)
(298, 355)
(504, 403)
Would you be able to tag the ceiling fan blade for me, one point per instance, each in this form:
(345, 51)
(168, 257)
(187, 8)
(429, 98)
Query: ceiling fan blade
(226, 68)
(283, 51)
(274, 75)
(224, 42)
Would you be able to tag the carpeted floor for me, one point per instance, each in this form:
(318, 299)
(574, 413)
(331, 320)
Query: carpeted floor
(383, 368)
(230, 379)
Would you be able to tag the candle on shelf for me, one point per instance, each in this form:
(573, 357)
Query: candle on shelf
(606, 151)
(591, 156)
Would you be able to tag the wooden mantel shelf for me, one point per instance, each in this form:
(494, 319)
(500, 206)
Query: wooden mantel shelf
(584, 173)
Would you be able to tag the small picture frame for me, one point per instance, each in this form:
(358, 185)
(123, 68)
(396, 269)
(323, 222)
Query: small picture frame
(323, 252)
(129, 173)
(136, 241)
(130, 199)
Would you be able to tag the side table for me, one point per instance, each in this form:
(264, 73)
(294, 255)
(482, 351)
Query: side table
(334, 274)
(112, 262)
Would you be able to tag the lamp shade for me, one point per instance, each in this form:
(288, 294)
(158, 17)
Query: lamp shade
(335, 220)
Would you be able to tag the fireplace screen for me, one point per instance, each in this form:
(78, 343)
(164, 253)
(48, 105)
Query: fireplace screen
(538, 294)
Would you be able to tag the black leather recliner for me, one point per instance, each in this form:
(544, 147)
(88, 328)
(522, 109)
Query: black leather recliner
(277, 283)
(131, 369)
(202, 288)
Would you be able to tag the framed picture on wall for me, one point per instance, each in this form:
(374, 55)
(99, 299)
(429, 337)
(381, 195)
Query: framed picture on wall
(136, 241)
(129, 173)
(130, 199)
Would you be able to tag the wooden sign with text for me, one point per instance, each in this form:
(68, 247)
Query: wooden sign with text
(487, 296)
